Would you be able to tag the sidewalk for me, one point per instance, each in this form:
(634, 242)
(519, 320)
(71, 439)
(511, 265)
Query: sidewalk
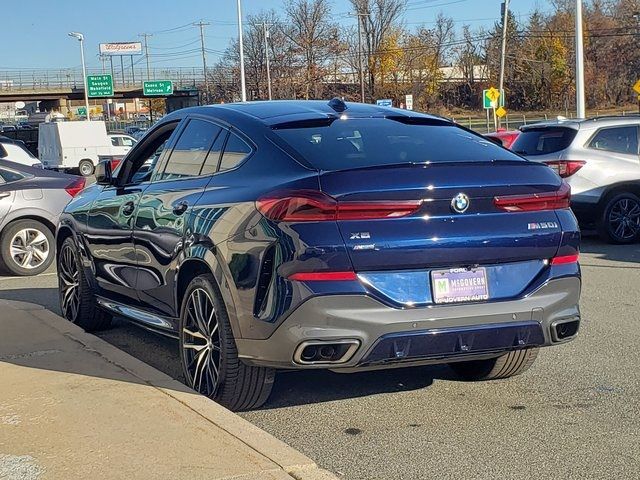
(74, 407)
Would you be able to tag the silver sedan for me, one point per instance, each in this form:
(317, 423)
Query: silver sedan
(31, 200)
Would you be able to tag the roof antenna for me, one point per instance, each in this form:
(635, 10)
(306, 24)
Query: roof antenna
(337, 104)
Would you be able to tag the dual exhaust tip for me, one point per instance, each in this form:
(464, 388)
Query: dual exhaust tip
(315, 352)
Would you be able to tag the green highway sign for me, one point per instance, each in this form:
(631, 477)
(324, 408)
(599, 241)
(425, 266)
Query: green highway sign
(490, 94)
(157, 87)
(99, 86)
(82, 111)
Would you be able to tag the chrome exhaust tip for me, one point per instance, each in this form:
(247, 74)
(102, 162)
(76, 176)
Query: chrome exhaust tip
(332, 352)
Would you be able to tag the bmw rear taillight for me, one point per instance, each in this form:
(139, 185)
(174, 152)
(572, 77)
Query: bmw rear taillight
(565, 260)
(536, 201)
(315, 206)
(75, 187)
(566, 168)
(347, 276)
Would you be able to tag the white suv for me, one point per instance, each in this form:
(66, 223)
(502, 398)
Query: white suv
(600, 159)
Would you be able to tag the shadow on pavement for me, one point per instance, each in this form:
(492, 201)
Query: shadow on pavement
(593, 247)
(318, 386)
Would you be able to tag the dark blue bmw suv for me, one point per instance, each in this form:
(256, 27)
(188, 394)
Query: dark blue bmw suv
(314, 234)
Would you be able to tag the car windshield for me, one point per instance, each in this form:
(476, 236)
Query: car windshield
(543, 140)
(371, 142)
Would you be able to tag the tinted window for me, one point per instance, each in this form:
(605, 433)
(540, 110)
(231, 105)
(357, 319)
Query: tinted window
(191, 150)
(211, 163)
(10, 176)
(235, 151)
(359, 142)
(544, 140)
(114, 141)
(620, 140)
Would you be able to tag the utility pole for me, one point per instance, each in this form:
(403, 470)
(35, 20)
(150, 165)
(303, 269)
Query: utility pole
(580, 102)
(505, 20)
(359, 16)
(265, 32)
(146, 54)
(243, 87)
(146, 51)
(202, 24)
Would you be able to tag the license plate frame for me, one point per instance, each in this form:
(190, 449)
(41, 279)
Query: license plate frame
(459, 285)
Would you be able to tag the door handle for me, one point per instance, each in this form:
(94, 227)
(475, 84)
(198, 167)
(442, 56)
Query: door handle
(127, 208)
(4, 194)
(180, 208)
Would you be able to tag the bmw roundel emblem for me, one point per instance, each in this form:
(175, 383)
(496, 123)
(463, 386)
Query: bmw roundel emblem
(460, 203)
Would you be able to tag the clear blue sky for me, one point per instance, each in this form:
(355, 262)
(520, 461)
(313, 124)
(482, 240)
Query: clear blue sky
(34, 32)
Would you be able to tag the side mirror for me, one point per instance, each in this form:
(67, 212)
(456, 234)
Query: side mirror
(103, 173)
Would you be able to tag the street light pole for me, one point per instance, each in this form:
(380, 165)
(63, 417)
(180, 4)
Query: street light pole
(80, 38)
(243, 87)
(580, 101)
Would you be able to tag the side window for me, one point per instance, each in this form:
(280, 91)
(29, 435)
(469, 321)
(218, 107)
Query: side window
(188, 156)
(235, 152)
(9, 176)
(127, 142)
(211, 163)
(140, 166)
(619, 140)
(114, 141)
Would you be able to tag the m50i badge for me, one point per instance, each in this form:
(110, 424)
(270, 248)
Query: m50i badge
(543, 226)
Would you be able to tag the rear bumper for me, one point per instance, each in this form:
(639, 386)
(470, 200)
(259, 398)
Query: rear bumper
(387, 335)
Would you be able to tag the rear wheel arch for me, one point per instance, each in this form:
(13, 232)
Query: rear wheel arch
(193, 267)
(612, 190)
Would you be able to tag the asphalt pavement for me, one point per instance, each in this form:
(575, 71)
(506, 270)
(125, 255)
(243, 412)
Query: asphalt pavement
(575, 414)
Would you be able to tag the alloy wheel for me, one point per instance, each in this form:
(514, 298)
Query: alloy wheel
(29, 248)
(624, 219)
(201, 342)
(69, 282)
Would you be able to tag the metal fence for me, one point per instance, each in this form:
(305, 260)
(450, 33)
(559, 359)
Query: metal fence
(516, 120)
(64, 79)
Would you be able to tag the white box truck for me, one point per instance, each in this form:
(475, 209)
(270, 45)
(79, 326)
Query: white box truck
(76, 145)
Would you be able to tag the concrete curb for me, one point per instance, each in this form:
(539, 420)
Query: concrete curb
(290, 460)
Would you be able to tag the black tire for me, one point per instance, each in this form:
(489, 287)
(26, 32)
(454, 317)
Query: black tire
(619, 220)
(34, 239)
(227, 380)
(72, 281)
(86, 168)
(505, 366)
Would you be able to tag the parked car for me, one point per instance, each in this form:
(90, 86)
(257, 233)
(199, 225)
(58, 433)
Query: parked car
(24, 126)
(7, 128)
(504, 137)
(75, 146)
(599, 158)
(315, 235)
(31, 200)
(16, 151)
(121, 144)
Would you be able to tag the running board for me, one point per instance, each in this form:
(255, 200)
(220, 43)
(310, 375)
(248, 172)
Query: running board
(150, 321)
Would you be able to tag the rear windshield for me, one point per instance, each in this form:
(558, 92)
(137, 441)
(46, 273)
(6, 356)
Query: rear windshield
(541, 141)
(370, 142)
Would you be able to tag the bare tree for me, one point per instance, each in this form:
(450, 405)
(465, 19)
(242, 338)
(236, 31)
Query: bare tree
(379, 18)
(315, 40)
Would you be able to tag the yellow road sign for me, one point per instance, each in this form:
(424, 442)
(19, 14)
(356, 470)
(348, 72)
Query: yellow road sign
(493, 94)
(636, 87)
(501, 112)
